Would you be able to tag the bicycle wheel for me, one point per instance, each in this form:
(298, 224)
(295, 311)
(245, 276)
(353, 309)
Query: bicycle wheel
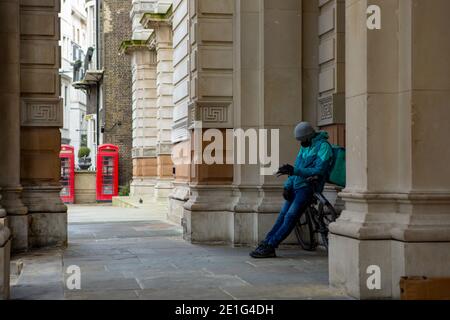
(304, 231)
(327, 216)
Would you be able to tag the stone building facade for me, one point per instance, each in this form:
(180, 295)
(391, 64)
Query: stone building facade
(116, 114)
(31, 117)
(242, 64)
(382, 93)
(150, 49)
(74, 45)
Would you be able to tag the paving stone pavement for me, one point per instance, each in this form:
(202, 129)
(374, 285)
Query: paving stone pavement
(129, 253)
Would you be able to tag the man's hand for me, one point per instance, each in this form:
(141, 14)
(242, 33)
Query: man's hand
(285, 169)
(288, 194)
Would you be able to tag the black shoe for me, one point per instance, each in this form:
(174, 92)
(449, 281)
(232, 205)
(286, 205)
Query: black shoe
(262, 243)
(260, 246)
(263, 251)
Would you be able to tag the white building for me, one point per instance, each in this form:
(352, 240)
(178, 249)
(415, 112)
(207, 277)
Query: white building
(78, 35)
(73, 47)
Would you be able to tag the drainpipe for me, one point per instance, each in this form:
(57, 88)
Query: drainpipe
(97, 56)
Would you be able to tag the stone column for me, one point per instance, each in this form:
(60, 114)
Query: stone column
(10, 121)
(161, 41)
(397, 199)
(41, 118)
(144, 106)
(5, 248)
(164, 81)
(282, 105)
(144, 122)
(310, 59)
(208, 212)
(248, 101)
(180, 133)
(268, 96)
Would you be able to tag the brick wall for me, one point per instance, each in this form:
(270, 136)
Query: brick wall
(116, 27)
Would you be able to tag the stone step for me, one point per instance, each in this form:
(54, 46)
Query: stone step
(137, 201)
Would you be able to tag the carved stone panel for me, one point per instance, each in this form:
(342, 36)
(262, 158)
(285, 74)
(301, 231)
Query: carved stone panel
(41, 113)
(331, 109)
(211, 115)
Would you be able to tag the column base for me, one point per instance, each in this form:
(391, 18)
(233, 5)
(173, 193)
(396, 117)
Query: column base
(19, 226)
(47, 218)
(208, 227)
(12, 202)
(350, 258)
(43, 199)
(223, 214)
(348, 262)
(265, 203)
(429, 259)
(141, 186)
(225, 227)
(43, 203)
(331, 193)
(48, 229)
(245, 220)
(5, 249)
(177, 200)
(207, 215)
(163, 188)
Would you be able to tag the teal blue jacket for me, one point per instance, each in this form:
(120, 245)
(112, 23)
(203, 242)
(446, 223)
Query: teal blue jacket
(314, 160)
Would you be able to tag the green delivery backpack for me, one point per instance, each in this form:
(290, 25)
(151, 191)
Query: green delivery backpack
(337, 169)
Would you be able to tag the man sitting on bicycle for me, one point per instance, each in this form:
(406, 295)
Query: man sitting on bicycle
(313, 159)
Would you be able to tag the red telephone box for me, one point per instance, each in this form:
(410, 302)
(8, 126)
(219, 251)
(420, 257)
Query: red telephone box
(107, 172)
(67, 157)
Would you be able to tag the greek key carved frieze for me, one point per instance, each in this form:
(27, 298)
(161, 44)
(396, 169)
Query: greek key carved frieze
(41, 113)
(214, 114)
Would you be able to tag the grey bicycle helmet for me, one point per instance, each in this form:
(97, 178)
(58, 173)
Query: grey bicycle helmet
(304, 131)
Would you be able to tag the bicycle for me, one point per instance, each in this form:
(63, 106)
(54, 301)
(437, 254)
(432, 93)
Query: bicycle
(312, 226)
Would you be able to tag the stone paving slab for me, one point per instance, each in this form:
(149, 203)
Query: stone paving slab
(190, 280)
(146, 258)
(285, 291)
(184, 294)
(100, 294)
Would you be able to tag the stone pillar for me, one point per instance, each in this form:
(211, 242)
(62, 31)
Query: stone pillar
(180, 131)
(310, 59)
(10, 121)
(144, 106)
(282, 106)
(248, 110)
(144, 121)
(164, 81)
(268, 96)
(41, 118)
(5, 248)
(397, 199)
(208, 212)
(161, 41)
(239, 79)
